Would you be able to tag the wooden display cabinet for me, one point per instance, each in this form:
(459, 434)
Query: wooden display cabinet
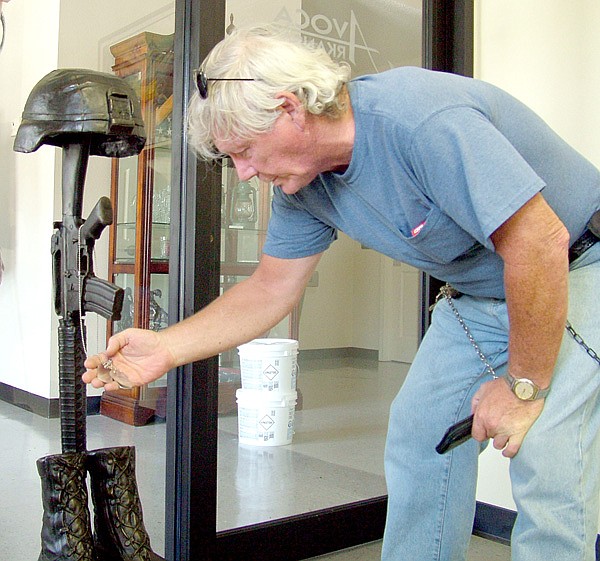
(140, 235)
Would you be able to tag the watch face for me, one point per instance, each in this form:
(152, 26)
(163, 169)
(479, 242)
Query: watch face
(524, 389)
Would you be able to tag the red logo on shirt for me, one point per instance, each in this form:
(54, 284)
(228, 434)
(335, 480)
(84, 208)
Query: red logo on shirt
(417, 229)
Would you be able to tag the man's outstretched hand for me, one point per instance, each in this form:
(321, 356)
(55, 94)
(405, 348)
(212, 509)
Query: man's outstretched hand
(133, 357)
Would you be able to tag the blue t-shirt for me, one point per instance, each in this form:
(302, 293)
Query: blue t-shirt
(439, 163)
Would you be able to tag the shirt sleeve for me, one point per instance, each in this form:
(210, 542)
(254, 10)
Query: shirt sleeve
(471, 171)
(293, 232)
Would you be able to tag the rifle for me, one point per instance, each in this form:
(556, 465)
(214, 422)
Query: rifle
(77, 290)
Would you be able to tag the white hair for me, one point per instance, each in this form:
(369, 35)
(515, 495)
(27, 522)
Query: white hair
(276, 62)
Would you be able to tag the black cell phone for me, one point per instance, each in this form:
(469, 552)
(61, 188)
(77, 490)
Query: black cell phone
(455, 435)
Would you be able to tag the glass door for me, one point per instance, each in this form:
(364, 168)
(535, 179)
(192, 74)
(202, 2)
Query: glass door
(324, 491)
(344, 392)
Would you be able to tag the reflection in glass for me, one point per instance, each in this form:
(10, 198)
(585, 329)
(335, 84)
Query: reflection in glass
(161, 199)
(126, 209)
(159, 318)
(243, 205)
(159, 301)
(125, 281)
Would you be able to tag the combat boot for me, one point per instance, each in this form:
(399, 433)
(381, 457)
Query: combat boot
(119, 532)
(66, 530)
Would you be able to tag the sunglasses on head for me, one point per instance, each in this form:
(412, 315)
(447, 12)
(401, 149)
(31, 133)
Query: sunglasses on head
(202, 81)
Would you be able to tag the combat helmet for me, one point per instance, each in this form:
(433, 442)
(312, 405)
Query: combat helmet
(70, 102)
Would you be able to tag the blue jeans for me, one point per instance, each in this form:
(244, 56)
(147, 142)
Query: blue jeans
(556, 474)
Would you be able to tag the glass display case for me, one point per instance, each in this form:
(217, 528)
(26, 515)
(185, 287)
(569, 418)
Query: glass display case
(141, 194)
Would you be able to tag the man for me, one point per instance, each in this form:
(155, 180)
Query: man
(457, 178)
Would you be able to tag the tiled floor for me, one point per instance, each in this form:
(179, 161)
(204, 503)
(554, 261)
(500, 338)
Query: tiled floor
(335, 458)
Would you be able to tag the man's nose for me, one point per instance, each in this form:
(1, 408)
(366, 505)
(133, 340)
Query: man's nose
(244, 170)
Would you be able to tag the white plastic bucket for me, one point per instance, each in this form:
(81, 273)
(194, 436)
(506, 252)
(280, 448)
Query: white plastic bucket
(265, 419)
(269, 365)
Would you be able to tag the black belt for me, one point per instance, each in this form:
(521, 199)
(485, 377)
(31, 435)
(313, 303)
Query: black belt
(587, 239)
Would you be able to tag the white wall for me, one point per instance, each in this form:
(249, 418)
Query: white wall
(26, 200)
(343, 311)
(545, 52)
(43, 35)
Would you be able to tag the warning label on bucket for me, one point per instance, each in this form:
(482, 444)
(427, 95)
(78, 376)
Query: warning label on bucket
(270, 372)
(266, 422)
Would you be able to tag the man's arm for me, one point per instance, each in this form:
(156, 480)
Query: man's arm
(241, 314)
(534, 245)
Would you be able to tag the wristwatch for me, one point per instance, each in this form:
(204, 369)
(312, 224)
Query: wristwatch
(524, 388)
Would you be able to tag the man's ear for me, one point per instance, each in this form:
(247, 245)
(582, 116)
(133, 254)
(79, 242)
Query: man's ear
(291, 105)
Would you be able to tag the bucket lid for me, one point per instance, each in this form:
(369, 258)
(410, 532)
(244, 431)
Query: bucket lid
(266, 399)
(269, 345)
